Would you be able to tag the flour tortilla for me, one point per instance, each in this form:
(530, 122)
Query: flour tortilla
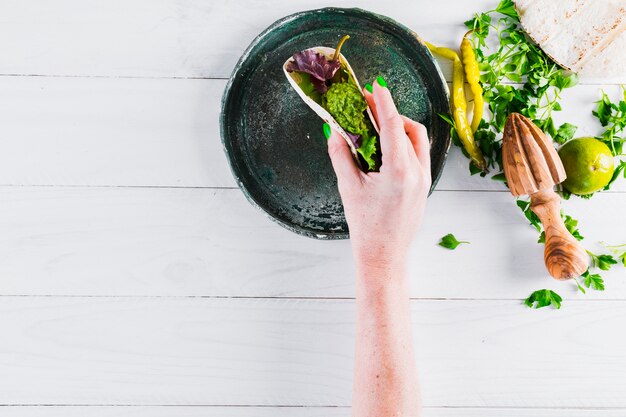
(585, 36)
(319, 110)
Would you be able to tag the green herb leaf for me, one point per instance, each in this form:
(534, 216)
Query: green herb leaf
(594, 281)
(542, 237)
(532, 218)
(580, 288)
(450, 242)
(565, 132)
(480, 25)
(507, 8)
(499, 177)
(619, 169)
(603, 111)
(474, 169)
(613, 117)
(447, 118)
(618, 252)
(572, 226)
(544, 298)
(603, 262)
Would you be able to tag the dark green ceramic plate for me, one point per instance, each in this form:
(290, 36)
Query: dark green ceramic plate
(274, 141)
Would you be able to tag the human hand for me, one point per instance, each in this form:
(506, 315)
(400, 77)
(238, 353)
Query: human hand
(384, 209)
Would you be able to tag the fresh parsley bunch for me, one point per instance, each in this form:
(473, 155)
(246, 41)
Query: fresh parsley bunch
(612, 116)
(517, 76)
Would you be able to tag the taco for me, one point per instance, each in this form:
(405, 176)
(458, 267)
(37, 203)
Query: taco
(323, 78)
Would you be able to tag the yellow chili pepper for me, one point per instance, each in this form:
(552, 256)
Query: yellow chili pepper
(459, 105)
(472, 74)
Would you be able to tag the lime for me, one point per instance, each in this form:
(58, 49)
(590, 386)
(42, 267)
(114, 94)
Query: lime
(588, 164)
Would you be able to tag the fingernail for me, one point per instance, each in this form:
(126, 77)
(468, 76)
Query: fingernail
(369, 88)
(381, 81)
(326, 129)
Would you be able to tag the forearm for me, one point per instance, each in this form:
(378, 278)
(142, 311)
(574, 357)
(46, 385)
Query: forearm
(385, 382)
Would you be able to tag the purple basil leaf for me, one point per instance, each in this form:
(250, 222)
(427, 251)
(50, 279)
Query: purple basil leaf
(317, 65)
(320, 86)
(356, 139)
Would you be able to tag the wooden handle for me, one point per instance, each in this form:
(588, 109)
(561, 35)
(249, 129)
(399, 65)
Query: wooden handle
(564, 256)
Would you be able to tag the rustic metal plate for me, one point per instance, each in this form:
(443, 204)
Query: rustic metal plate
(274, 141)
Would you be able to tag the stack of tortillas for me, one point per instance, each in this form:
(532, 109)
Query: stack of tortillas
(585, 36)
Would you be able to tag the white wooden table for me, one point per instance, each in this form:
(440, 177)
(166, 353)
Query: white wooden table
(136, 280)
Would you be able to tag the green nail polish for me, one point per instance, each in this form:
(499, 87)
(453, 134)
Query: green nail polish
(326, 129)
(381, 82)
(369, 88)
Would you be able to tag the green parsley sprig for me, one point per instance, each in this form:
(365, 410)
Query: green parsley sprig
(594, 281)
(612, 116)
(449, 241)
(544, 298)
(620, 169)
(618, 251)
(602, 261)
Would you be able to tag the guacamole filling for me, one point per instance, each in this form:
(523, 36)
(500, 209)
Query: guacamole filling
(328, 83)
(345, 102)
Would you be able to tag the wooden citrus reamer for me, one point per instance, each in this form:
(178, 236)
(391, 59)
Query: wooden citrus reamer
(532, 166)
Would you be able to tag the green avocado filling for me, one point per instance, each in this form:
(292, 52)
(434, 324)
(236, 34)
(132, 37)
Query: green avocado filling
(348, 107)
(327, 81)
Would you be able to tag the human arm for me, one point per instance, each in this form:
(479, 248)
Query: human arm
(383, 210)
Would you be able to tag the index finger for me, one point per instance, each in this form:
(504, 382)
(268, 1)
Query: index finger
(393, 140)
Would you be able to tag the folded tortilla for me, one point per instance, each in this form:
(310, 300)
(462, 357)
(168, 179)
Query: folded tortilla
(585, 36)
(319, 110)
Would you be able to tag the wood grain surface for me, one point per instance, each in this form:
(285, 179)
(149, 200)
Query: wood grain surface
(289, 352)
(211, 242)
(161, 132)
(136, 280)
(235, 411)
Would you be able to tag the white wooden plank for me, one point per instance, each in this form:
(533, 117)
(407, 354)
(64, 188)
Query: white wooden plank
(177, 351)
(70, 131)
(146, 132)
(208, 411)
(179, 38)
(134, 241)
(172, 38)
(175, 411)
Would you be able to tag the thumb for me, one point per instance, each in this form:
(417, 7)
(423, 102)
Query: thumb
(340, 155)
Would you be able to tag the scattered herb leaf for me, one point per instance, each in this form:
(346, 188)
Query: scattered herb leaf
(571, 225)
(603, 262)
(565, 132)
(619, 169)
(594, 281)
(619, 252)
(507, 8)
(544, 298)
(530, 215)
(580, 288)
(449, 241)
